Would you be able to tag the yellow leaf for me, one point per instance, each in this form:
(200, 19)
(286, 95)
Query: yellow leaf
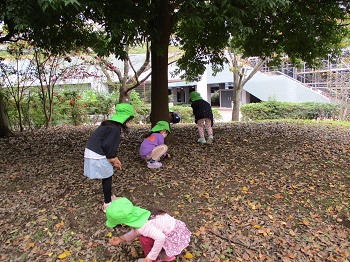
(306, 222)
(134, 252)
(292, 256)
(64, 254)
(31, 244)
(257, 226)
(189, 255)
(244, 188)
(109, 234)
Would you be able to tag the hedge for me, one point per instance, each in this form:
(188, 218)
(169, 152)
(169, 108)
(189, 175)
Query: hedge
(285, 110)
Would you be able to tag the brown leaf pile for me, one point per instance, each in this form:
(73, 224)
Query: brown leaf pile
(272, 191)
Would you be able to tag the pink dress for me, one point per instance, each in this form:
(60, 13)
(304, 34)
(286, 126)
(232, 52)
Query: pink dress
(168, 233)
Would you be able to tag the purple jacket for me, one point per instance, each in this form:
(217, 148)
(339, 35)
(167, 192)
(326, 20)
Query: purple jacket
(147, 146)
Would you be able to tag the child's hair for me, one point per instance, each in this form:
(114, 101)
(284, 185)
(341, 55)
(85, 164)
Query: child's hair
(155, 212)
(149, 134)
(124, 127)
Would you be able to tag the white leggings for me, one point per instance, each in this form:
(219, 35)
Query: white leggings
(158, 152)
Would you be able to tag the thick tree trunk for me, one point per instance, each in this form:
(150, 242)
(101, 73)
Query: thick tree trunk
(159, 58)
(4, 130)
(124, 95)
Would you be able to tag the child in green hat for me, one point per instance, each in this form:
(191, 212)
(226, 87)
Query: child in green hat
(153, 147)
(203, 117)
(161, 235)
(101, 150)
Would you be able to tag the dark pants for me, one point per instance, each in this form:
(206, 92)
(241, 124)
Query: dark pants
(107, 189)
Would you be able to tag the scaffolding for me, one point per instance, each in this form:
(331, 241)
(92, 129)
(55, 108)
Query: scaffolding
(331, 79)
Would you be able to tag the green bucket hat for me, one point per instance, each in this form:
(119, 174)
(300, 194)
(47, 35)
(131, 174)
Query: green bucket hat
(161, 125)
(122, 211)
(194, 96)
(122, 113)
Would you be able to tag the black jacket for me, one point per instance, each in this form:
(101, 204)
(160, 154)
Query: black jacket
(105, 140)
(202, 109)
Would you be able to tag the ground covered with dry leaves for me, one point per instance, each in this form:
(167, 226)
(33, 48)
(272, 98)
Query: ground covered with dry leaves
(271, 191)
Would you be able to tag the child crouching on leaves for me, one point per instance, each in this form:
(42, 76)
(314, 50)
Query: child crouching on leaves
(161, 235)
(153, 147)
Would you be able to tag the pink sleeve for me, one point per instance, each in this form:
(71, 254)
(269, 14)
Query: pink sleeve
(159, 238)
(131, 235)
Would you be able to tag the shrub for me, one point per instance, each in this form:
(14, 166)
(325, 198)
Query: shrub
(284, 110)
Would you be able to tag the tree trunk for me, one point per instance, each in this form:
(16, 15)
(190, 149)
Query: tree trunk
(20, 122)
(124, 95)
(159, 58)
(4, 130)
(237, 90)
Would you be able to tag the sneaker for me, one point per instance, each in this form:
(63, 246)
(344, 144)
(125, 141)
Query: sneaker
(155, 164)
(105, 206)
(201, 140)
(114, 197)
(210, 139)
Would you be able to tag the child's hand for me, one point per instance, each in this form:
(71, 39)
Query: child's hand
(167, 155)
(148, 260)
(115, 241)
(116, 162)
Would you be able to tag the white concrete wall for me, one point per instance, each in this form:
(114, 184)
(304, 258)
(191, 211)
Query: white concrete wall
(202, 86)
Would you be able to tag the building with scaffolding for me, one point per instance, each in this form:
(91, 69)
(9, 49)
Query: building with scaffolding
(330, 79)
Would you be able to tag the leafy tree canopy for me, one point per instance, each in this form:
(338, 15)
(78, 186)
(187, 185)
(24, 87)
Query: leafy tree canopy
(56, 25)
(305, 30)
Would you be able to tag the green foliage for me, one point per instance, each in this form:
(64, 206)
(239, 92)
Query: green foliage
(215, 99)
(259, 28)
(285, 110)
(74, 108)
(99, 103)
(185, 111)
(135, 99)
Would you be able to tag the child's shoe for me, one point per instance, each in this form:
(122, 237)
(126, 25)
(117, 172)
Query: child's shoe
(210, 139)
(154, 164)
(105, 206)
(201, 140)
(114, 197)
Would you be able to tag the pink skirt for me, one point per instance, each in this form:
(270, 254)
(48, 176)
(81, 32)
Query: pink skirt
(177, 240)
